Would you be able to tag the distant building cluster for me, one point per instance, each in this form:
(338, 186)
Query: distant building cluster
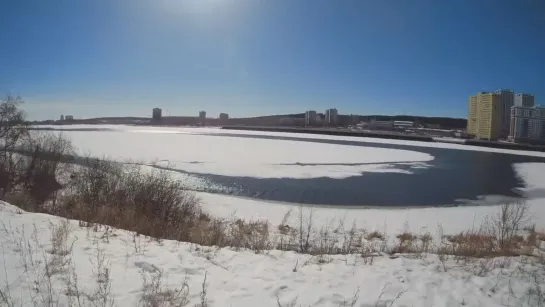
(330, 118)
(502, 114)
(66, 118)
(157, 117)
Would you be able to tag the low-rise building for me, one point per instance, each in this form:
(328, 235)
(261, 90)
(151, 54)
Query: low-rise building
(381, 124)
(403, 124)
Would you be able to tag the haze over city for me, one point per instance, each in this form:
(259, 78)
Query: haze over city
(250, 58)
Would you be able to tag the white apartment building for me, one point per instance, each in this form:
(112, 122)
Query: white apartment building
(524, 100)
(527, 124)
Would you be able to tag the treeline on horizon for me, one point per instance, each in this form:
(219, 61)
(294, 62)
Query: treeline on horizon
(343, 120)
(443, 122)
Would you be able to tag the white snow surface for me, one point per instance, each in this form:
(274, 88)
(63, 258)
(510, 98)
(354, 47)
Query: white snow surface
(451, 220)
(216, 130)
(244, 278)
(245, 157)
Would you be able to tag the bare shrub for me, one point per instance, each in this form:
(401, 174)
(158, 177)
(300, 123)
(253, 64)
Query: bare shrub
(291, 303)
(426, 240)
(499, 235)
(59, 238)
(352, 302)
(6, 298)
(156, 294)
(40, 269)
(204, 293)
(253, 235)
(375, 235)
(405, 245)
(352, 240)
(389, 303)
(471, 244)
(327, 241)
(305, 229)
(536, 293)
(149, 203)
(504, 225)
(99, 295)
(283, 227)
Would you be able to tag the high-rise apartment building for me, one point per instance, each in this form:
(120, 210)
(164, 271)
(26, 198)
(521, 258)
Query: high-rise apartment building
(156, 114)
(331, 116)
(527, 124)
(310, 118)
(472, 116)
(224, 116)
(485, 116)
(524, 100)
(507, 100)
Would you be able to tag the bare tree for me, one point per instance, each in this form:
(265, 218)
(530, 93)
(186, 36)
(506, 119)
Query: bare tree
(46, 159)
(30, 163)
(13, 131)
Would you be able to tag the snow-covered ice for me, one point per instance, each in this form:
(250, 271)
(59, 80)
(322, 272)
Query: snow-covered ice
(215, 130)
(246, 157)
(244, 278)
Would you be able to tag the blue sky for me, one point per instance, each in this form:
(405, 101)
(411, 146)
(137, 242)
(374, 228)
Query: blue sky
(254, 57)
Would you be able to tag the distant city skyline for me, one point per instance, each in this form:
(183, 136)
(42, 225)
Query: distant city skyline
(250, 58)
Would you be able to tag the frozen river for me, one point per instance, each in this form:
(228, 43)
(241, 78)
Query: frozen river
(316, 169)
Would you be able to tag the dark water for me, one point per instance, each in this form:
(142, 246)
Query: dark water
(452, 176)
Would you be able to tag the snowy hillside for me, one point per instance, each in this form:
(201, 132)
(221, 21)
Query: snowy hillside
(47, 260)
